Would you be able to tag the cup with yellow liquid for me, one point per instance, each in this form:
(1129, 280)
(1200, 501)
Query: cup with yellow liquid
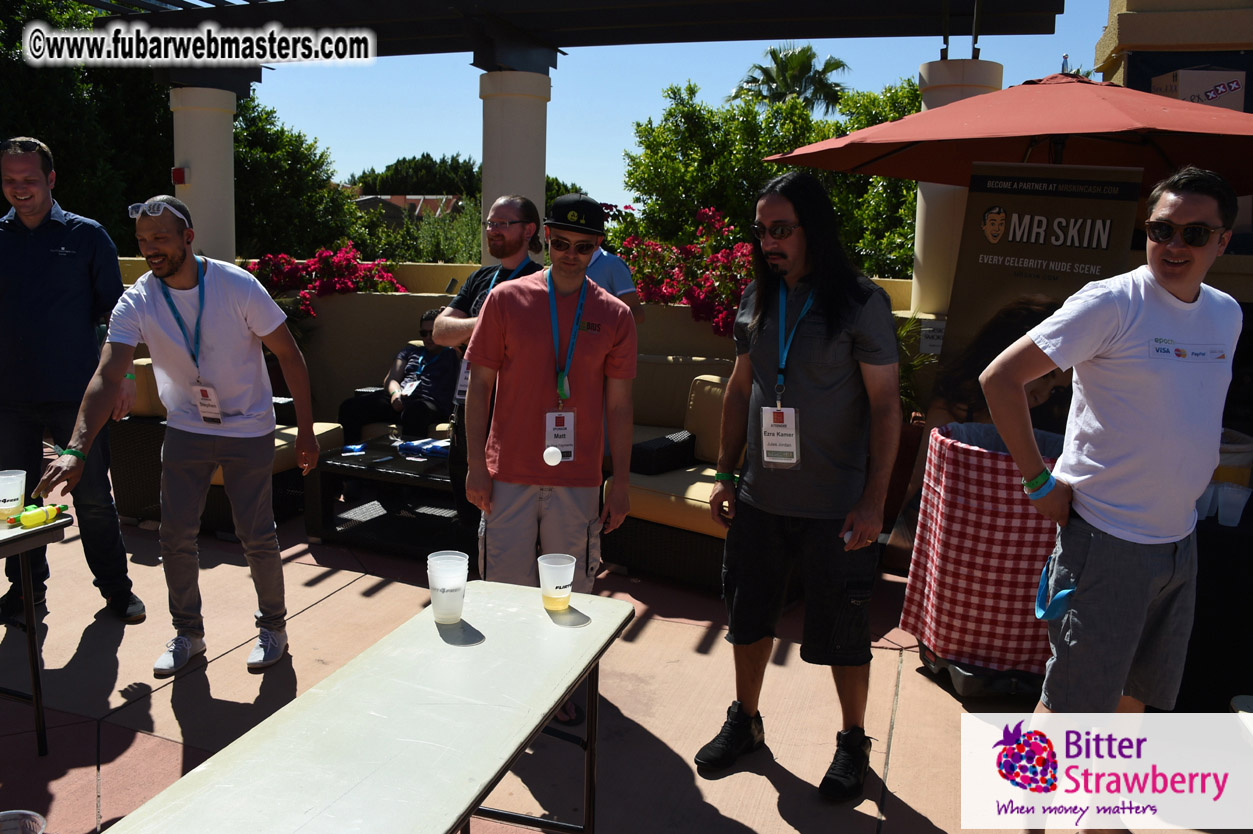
(12, 493)
(556, 577)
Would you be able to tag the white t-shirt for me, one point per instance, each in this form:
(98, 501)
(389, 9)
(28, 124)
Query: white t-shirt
(237, 313)
(1151, 378)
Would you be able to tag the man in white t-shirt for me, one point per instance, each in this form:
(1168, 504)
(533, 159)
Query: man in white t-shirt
(204, 322)
(1151, 352)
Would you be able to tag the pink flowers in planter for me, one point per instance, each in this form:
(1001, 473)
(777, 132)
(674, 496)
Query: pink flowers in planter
(326, 273)
(709, 276)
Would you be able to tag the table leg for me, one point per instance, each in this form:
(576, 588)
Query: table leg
(320, 497)
(32, 654)
(589, 754)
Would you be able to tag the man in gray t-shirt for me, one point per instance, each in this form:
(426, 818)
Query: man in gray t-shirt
(814, 397)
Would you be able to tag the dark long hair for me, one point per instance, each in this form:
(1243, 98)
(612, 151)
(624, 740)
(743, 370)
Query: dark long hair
(835, 281)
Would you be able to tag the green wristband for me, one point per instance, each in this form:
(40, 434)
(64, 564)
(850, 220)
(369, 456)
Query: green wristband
(128, 376)
(74, 453)
(726, 476)
(1036, 482)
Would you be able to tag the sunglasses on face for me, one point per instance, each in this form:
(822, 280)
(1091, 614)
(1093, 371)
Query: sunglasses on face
(1194, 234)
(778, 231)
(560, 244)
(493, 225)
(154, 210)
(426, 334)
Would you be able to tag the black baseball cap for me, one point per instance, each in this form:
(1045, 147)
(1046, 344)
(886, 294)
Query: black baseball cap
(578, 213)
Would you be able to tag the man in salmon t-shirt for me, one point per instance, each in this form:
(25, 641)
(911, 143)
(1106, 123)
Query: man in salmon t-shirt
(560, 352)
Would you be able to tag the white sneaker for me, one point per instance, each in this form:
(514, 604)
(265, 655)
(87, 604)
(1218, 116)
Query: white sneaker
(269, 649)
(177, 652)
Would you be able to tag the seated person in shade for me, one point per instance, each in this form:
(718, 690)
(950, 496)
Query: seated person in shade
(417, 391)
(958, 398)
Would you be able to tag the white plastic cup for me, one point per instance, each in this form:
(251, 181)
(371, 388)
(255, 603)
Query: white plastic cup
(556, 578)
(1231, 501)
(21, 822)
(446, 573)
(12, 492)
(1207, 503)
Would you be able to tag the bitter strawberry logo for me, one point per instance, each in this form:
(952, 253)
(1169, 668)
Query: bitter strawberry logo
(1027, 760)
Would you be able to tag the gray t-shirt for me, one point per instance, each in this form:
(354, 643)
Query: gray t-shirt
(824, 385)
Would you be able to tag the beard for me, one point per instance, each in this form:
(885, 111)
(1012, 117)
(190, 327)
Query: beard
(504, 247)
(173, 263)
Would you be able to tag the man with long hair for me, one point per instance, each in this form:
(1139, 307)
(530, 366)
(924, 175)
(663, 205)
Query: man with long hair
(813, 404)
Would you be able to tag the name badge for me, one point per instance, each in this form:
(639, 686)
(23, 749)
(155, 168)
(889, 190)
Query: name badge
(463, 381)
(206, 399)
(408, 388)
(780, 438)
(559, 432)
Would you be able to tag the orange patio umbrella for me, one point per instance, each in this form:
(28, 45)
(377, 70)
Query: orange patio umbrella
(1061, 118)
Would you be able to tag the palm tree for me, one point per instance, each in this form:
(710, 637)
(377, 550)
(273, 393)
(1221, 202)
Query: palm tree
(792, 70)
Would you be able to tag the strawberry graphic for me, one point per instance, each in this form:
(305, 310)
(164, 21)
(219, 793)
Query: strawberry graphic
(1027, 760)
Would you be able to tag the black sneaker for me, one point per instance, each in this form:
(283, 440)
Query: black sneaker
(739, 734)
(847, 774)
(127, 607)
(11, 604)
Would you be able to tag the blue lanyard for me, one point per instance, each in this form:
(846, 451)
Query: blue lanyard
(563, 390)
(512, 275)
(192, 348)
(786, 347)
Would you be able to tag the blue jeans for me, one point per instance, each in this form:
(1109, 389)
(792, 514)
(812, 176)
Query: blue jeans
(22, 427)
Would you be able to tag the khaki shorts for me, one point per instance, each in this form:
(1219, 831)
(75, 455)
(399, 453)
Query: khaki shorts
(1130, 617)
(527, 521)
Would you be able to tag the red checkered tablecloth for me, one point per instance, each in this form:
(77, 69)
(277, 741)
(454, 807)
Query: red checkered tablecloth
(977, 558)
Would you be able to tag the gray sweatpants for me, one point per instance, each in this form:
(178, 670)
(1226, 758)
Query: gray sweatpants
(188, 461)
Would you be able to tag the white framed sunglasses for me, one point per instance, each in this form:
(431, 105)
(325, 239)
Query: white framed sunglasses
(154, 210)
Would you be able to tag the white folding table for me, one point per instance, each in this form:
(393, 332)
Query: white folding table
(413, 733)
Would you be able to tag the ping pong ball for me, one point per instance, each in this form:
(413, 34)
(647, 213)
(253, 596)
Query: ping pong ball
(552, 456)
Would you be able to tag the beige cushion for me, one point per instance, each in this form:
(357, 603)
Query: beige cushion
(662, 384)
(330, 436)
(677, 499)
(147, 403)
(704, 415)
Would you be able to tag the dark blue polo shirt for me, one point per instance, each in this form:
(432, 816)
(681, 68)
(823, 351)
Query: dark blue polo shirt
(56, 282)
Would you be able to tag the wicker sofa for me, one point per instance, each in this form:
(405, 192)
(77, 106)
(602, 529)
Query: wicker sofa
(135, 445)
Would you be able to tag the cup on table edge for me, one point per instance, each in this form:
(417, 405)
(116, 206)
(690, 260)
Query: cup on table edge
(12, 492)
(446, 572)
(1231, 501)
(22, 822)
(556, 578)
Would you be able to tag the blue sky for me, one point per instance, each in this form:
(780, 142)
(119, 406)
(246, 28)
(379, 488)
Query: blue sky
(369, 116)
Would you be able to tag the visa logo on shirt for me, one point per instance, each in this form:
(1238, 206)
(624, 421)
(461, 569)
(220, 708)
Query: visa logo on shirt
(1170, 349)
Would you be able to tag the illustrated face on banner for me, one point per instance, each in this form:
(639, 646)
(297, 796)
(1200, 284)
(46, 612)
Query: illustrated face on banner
(993, 224)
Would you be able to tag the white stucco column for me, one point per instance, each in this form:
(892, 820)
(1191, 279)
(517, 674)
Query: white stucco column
(204, 145)
(937, 232)
(515, 132)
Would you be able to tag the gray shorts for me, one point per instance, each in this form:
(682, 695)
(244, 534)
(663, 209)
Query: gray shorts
(563, 519)
(1130, 617)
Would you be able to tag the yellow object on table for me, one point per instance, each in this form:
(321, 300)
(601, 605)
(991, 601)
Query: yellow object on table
(33, 516)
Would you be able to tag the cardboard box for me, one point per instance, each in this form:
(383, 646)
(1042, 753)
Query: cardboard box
(1219, 87)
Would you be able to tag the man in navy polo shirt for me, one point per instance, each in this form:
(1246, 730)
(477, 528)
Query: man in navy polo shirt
(59, 277)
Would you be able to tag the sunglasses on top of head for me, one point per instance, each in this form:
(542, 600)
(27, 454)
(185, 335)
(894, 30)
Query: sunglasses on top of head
(154, 210)
(1193, 234)
(560, 244)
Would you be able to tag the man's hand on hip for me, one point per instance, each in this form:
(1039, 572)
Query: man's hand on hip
(1056, 505)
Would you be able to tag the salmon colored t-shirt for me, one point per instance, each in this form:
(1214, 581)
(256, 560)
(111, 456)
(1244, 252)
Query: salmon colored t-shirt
(513, 337)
